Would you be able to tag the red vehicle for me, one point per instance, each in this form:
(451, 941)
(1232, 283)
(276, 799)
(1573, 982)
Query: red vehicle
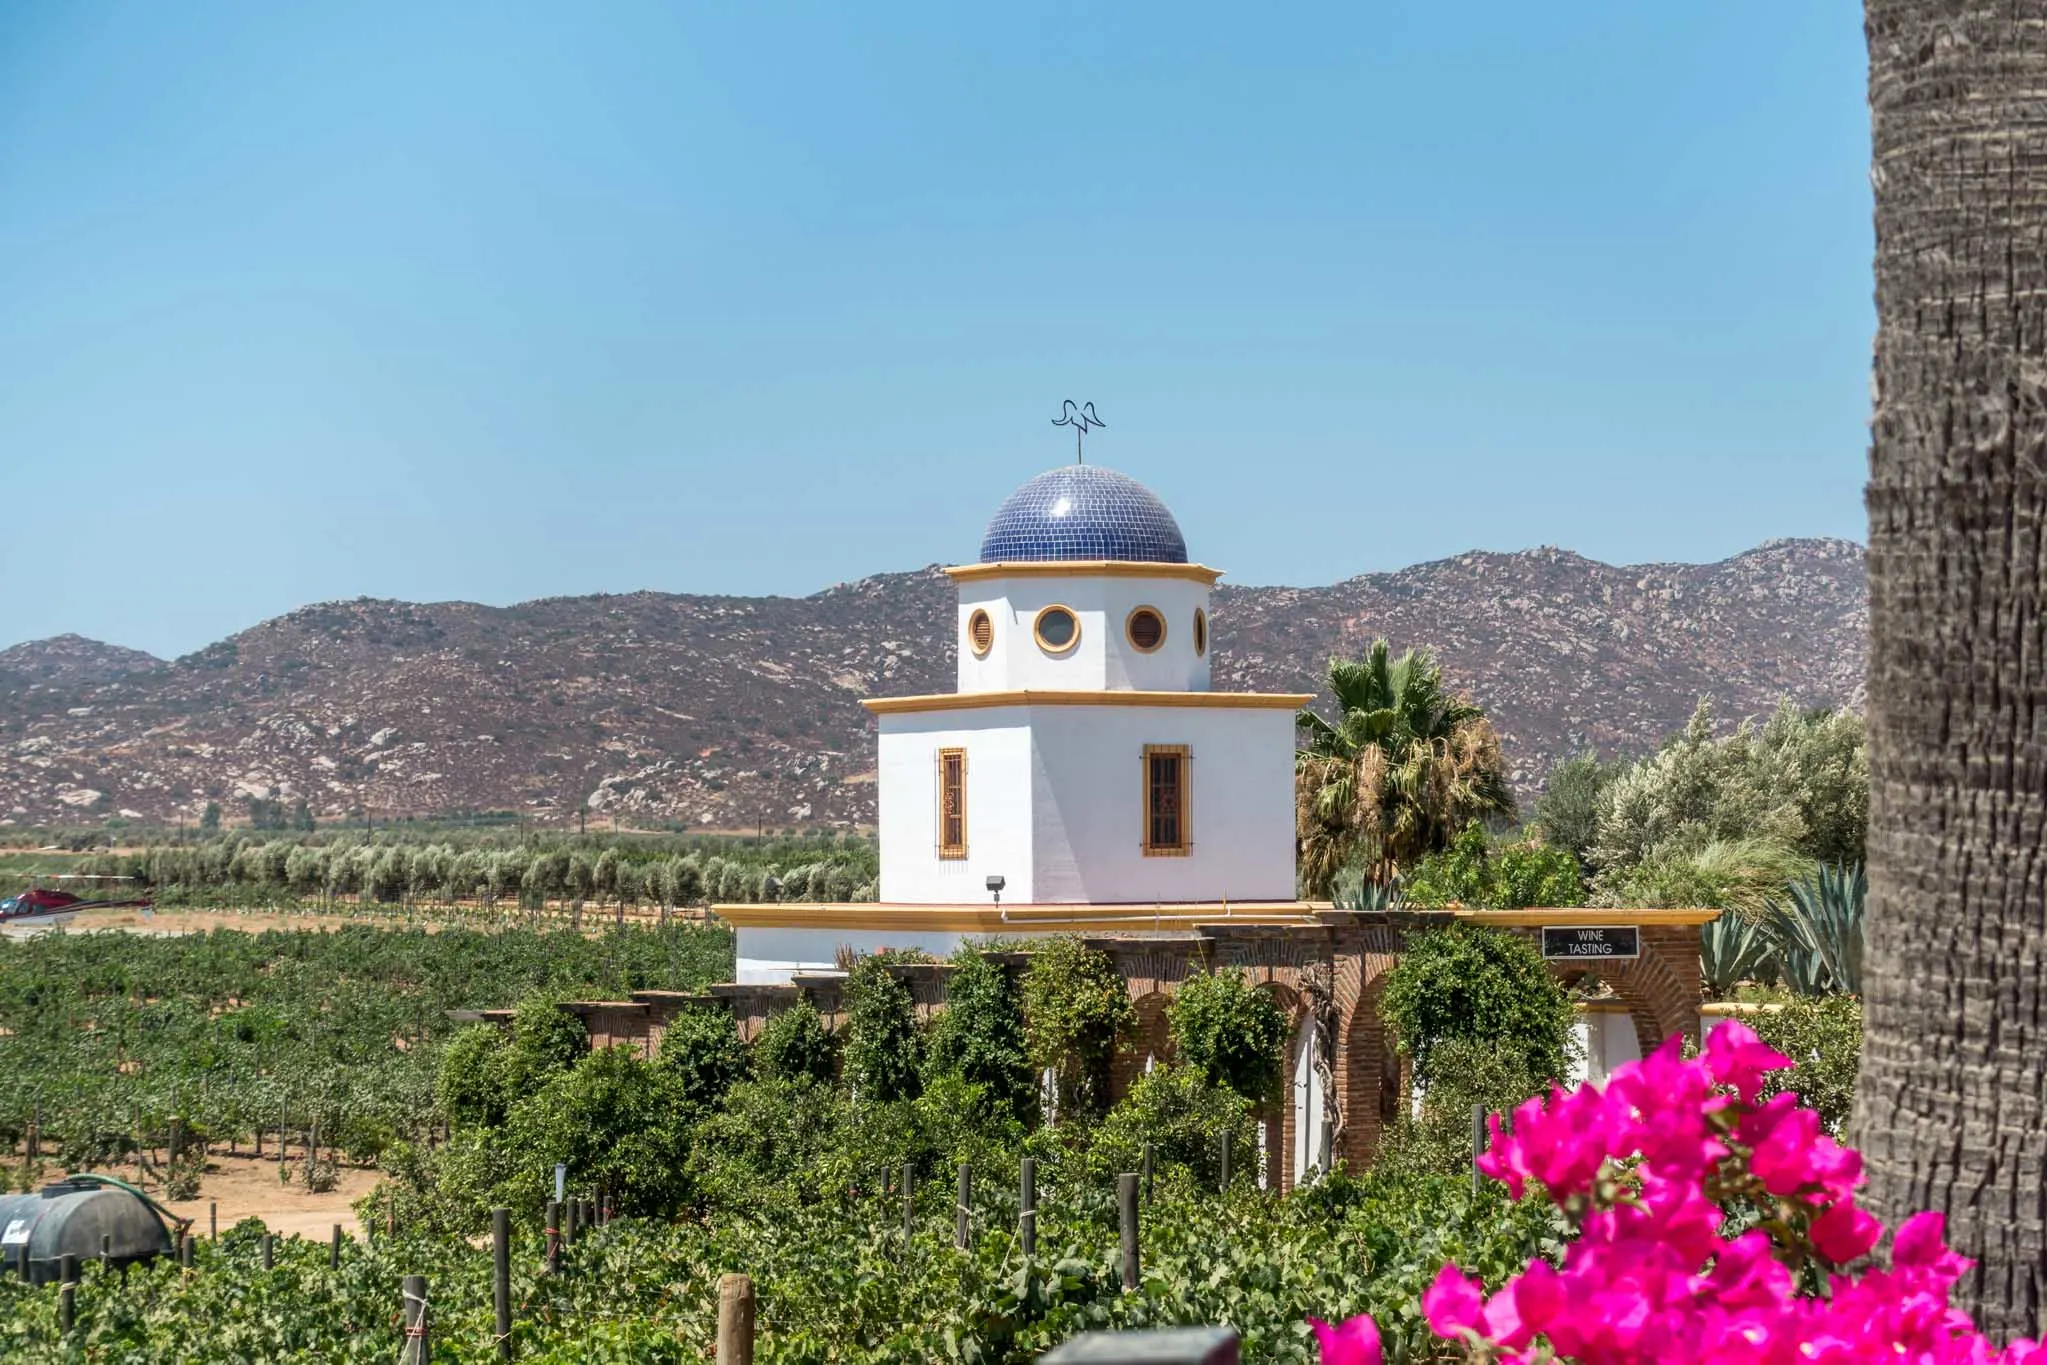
(56, 907)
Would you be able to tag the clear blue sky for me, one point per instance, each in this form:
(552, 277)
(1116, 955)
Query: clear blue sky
(503, 300)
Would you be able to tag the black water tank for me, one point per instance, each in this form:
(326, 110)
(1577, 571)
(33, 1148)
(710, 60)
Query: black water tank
(69, 1218)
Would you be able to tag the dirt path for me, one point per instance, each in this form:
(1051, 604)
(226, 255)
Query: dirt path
(247, 1187)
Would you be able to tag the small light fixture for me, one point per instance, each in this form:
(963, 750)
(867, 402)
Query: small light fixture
(995, 885)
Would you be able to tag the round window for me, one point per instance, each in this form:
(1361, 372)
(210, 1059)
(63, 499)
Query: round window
(1146, 629)
(1200, 631)
(980, 633)
(1057, 630)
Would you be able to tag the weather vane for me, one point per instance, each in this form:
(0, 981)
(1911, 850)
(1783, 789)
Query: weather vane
(1081, 417)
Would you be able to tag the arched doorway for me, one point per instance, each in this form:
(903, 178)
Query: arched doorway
(1308, 1102)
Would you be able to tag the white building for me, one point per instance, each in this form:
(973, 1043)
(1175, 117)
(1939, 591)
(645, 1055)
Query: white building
(1083, 761)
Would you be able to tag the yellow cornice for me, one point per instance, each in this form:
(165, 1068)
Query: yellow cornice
(1582, 915)
(975, 701)
(1082, 568)
(859, 916)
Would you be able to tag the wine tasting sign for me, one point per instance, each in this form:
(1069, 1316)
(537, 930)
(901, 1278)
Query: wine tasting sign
(1574, 942)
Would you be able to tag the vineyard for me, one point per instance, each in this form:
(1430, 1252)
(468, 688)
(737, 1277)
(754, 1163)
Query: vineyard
(128, 1046)
(786, 1159)
(486, 869)
(836, 1282)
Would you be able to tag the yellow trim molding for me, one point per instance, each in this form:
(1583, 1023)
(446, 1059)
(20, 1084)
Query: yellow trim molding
(976, 701)
(1038, 630)
(1130, 631)
(1082, 568)
(1588, 915)
(989, 919)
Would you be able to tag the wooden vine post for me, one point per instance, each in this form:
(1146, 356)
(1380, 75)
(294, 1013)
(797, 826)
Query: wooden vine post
(909, 1206)
(501, 1277)
(735, 1320)
(1027, 1215)
(334, 1249)
(418, 1350)
(67, 1292)
(962, 1229)
(1126, 1218)
(553, 1237)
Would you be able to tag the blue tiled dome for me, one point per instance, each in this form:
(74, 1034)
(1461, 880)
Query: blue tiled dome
(1083, 511)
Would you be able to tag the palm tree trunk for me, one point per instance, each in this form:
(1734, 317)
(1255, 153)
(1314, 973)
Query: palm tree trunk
(1951, 1106)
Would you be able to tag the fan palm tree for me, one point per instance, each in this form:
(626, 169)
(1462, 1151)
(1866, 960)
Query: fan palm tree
(1951, 1098)
(1401, 769)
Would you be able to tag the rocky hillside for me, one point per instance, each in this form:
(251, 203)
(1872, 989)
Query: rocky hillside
(734, 712)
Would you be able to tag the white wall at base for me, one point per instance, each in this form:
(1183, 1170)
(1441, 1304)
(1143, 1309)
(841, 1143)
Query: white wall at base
(1606, 1040)
(1087, 805)
(998, 783)
(769, 957)
(1104, 656)
(1309, 1100)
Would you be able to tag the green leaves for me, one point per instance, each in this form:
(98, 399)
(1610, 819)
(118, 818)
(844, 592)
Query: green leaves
(881, 1034)
(1483, 984)
(1232, 1033)
(1076, 1013)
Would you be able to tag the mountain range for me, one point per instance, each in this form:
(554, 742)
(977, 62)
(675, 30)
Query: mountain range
(743, 712)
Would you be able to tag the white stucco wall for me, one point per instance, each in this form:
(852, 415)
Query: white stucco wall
(1055, 805)
(770, 956)
(1088, 804)
(1606, 1040)
(998, 745)
(1104, 658)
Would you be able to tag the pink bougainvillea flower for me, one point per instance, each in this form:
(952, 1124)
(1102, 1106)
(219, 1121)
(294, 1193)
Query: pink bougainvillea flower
(1650, 1279)
(1356, 1342)
(1561, 1143)
(1921, 1244)
(1736, 1057)
(1844, 1233)
(1453, 1303)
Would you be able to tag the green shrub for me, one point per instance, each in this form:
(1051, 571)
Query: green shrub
(881, 1034)
(773, 1141)
(701, 1051)
(1183, 1117)
(1438, 1139)
(1077, 1012)
(1231, 1033)
(546, 1041)
(795, 1045)
(1475, 982)
(617, 1122)
(980, 1039)
(470, 1086)
(1477, 871)
(1823, 1038)
(1567, 812)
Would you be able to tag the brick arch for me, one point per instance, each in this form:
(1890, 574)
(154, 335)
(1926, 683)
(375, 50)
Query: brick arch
(1657, 1000)
(1150, 1036)
(1367, 1075)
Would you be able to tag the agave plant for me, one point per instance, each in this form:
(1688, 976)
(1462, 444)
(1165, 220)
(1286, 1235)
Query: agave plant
(1819, 931)
(1733, 949)
(1365, 892)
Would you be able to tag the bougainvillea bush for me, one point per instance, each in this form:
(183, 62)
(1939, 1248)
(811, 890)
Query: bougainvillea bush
(1714, 1225)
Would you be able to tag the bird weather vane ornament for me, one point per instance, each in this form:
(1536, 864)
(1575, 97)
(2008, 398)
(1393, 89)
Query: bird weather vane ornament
(1081, 417)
